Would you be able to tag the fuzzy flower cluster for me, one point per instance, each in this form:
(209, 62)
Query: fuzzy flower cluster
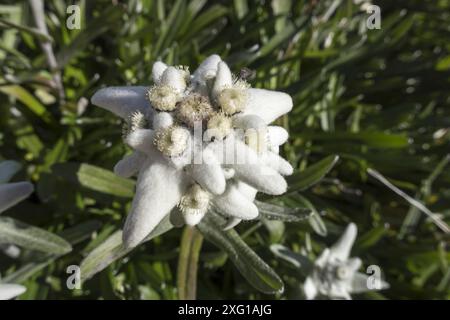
(199, 141)
(333, 274)
(10, 195)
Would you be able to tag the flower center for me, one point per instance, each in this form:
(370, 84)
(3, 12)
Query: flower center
(343, 272)
(172, 141)
(219, 126)
(162, 97)
(232, 100)
(195, 201)
(193, 108)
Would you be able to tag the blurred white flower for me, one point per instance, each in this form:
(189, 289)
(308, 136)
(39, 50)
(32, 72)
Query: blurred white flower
(199, 140)
(333, 274)
(10, 291)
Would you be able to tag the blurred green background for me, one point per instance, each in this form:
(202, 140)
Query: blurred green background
(376, 98)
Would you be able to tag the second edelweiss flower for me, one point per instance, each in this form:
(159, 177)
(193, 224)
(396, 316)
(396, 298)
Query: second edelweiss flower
(200, 141)
(333, 274)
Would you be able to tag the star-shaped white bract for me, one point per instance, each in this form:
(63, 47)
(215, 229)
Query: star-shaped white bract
(10, 195)
(10, 291)
(200, 141)
(333, 274)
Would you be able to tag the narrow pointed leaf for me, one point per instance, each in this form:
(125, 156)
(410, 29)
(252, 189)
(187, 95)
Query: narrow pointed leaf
(311, 175)
(29, 237)
(39, 261)
(275, 212)
(259, 274)
(95, 178)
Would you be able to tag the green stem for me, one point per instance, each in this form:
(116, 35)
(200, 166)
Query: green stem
(190, 246)
(197, 241)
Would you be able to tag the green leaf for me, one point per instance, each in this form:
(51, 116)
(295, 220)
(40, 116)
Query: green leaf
(275, 212)
(112, 249)
(73, 235)
(259, 274)
(106, 20)
(28, 100)
(170, 26)
(280, 38)
(315, 220)
(29, 237)
(370, 238)
(95, 178)
(32, 31)
(212, 14)
(312, 175)
(241, 8)
(369, 138)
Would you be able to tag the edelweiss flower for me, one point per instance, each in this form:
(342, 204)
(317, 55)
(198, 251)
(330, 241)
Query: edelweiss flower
(10, 195)
(199, 141)
(333, 273)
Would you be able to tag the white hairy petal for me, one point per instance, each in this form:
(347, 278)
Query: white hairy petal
(341, 249)
(130, 165)
(247, 121)
(206, 68)
(275, 149)
(13, 193)
(248, 191)
(157, 71)
(322, 260)
(223, 79)
(9, 291)
(235, 204)
(277, 163)
(142, 140)
(123, 101)
(360, 283)
(162, 120)
(354, 264)
(277, 135)
(248, 168)
(209, 173)
(159, 189)
(310, 289)
(267, 104)
(339, 292)
(258, 175)
(174, 78)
